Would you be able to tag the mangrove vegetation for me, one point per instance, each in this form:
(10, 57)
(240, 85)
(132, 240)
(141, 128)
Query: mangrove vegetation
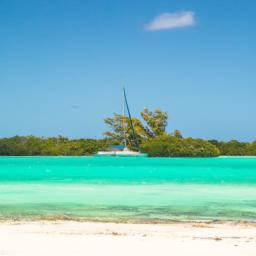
(150, 134)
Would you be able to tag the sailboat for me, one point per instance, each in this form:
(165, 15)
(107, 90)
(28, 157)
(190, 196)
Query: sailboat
(123, 150)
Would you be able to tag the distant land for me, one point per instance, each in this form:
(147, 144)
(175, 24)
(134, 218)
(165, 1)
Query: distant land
(165, 145)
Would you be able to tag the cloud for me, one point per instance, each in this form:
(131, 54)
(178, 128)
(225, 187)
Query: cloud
(172, 20)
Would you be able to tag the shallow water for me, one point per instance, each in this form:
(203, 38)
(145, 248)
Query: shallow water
(128, 189)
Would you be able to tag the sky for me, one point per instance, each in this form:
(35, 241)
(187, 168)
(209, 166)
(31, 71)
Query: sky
(63, 64)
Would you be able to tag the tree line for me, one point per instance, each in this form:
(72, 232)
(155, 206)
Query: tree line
(55, 146)
(150, 132)
(160, 146)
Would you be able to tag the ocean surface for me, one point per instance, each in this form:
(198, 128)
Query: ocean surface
(127, 189)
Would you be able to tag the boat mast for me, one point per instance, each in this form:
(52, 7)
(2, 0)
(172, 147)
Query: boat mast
(123, 122)
(130, 119)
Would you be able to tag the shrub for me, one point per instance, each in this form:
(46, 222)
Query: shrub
(36, 146)
(171, 146)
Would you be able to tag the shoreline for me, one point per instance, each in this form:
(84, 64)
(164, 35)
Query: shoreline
(132, 222)
(68, 238)
(91, 156)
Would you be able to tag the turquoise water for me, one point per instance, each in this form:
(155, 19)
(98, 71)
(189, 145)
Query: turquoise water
(128, 189)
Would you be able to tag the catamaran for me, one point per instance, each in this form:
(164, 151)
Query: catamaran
(123, 150)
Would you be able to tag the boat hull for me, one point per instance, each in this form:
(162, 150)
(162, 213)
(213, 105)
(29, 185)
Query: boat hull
(121, 153)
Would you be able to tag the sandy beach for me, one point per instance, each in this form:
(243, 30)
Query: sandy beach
(68, 238)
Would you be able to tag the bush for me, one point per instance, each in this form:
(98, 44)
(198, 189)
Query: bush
(171, 146)
(235, 148)
(56, 146)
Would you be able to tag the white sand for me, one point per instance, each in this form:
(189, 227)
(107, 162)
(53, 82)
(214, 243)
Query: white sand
(66, 238)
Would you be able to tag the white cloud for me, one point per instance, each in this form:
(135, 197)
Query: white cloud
(172, 20)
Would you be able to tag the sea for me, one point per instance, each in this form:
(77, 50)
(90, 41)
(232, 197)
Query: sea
(128, 189)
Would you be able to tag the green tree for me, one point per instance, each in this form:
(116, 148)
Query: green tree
(232, 148)
(121, 129)
(156, 122)
(170, 146)
(155, 125)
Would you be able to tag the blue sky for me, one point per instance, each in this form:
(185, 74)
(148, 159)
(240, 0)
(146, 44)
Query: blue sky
(63, 64)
